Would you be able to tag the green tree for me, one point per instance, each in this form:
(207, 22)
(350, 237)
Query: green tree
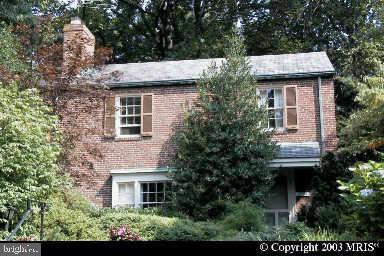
(364, 129)
(224, 148)
(28, 146)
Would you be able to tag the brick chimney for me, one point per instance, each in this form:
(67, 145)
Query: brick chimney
(78, 47)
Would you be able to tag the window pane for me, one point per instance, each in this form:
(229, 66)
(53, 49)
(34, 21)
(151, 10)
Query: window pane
(130, 120)
(263, 97)
(279, 123)
(271, 93)
(270, 219)
(123, 101)
(145, 197)
(152, 197)
(160, 197)
(272, 123)
(152, 187)
(123, 120)
(283, 218)
(279, 114)
(137, 100)
(144, 187)
(160, 187)
(130, 130)
(278, 98)
(271, 103)
(123, 111)
(137, 110)
(130, 110)
(130, 101)
(137, 120)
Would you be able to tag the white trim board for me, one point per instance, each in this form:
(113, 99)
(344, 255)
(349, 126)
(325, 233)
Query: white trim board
(294, 162)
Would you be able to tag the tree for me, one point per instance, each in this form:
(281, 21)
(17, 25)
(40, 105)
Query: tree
(29, 138)
(224, 148)
(28, 147)
(364, 129)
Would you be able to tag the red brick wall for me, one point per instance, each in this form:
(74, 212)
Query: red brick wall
(98, 154)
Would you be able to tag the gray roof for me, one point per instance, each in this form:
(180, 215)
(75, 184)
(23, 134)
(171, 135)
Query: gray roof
(299, 150)
(188, 71)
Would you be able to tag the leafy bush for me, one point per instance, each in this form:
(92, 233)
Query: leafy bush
(153, 227)
(365, 194)
(292, 232)
(244, 216)
(69, 217)
(122, 233)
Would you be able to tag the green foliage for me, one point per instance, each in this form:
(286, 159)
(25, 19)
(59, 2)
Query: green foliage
(364, 129)
(29, 147)
(224, 148)
(291, 232)
(69, 217)
(10, 52)
(365, 194)
(244, 216)
(150, 226)
(327, 206)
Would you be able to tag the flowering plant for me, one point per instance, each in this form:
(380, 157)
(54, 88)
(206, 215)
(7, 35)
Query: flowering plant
(365, 194)
(123, 233)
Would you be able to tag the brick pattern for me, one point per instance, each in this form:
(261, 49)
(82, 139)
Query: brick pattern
(102, 154)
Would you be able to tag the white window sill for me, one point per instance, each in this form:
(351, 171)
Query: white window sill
(129, 137)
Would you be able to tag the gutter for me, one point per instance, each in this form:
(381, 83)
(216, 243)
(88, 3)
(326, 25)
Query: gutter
(195, 80)
(321, 115)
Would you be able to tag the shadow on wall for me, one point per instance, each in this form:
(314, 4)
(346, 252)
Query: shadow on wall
(169, 147)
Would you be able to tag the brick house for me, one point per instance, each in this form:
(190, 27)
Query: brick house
(143, 109)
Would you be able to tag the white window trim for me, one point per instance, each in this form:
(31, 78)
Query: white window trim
(137, 178)
(117, 117)
(266, 87)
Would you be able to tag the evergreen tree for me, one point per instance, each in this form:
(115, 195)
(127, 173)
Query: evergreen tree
(224, 147)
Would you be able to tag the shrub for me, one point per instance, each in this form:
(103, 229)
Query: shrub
(365, 194)
(244, 216)
(68, 217)
(153, 227)
(122, 233)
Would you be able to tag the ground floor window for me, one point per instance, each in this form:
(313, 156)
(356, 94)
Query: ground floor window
(126, 194)
(154, 194)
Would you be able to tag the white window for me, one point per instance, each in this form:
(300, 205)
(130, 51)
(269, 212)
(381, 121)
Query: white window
(273, 99)
(129, 115)
(154, 194)
(126, 196)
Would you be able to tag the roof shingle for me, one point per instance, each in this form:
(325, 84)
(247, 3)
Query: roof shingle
(188, 71)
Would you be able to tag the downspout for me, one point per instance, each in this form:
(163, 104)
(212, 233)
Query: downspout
(321, 116)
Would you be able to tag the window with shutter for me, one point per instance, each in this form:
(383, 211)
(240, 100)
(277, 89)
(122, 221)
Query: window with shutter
(290, 107)
(146, 114)
(109, 116)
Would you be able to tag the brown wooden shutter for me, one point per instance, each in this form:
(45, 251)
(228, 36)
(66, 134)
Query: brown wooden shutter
(146, 114)
(290, 111)
(109, 116)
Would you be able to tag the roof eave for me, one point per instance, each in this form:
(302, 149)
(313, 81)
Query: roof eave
(193, 81)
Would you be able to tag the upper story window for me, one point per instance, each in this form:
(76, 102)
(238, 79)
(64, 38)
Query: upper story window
(129, 115)
(272, 98)
(281, 103)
